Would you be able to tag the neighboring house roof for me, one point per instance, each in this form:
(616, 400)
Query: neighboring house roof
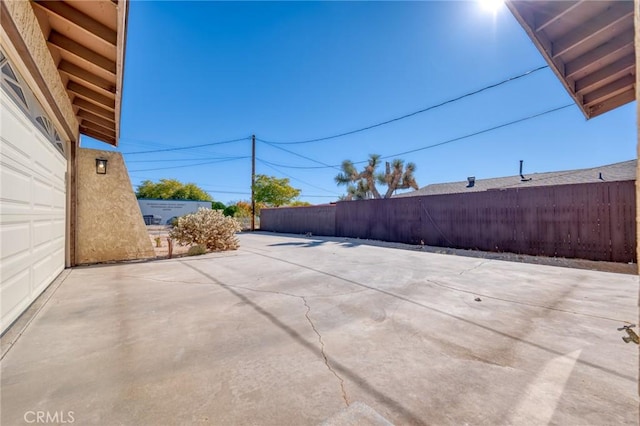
(608, 173)
(588, 45)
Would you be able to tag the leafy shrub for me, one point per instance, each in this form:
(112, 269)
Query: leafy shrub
(231, 210)
(196, 250)
(208, 228)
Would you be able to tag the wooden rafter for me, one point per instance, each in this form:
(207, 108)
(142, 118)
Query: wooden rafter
(91, 95)
(589, 46)
(64, 43)
(604, 22)
(623, 42)
(97, 135)
(73, 70)
(93, 118)
(108, 131)
(87, 42)
(95, 109)
(79, 19)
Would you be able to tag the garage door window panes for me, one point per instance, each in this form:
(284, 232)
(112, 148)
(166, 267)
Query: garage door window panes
(10, 82)
(14, 86)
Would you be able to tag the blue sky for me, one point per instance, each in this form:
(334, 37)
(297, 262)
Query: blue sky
(203, 72)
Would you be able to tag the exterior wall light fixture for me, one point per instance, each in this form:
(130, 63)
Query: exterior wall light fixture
(101, 166)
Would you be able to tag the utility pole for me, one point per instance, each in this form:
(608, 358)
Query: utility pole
(253, 182)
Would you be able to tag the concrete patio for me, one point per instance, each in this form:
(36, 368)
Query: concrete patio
(292, 330)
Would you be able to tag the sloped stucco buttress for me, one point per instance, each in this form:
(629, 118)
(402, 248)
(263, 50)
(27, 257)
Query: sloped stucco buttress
(109, 223)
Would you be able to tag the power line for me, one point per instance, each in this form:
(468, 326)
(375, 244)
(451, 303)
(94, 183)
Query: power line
(287, 166)
(300, 155)
(186, 147)
(226, 192)
(520, 120)
(181, 159)
(319, 196)
(248, 193)
(190, 165)
(268, 164)
(402, 117)
(479, 132)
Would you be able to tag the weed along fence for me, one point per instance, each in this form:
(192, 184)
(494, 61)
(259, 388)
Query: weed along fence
(594, 221)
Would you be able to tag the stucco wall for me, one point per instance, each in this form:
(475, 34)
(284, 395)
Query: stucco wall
(109, 222)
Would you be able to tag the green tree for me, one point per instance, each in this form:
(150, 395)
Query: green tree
(171, 189)
(230, 210)
(274, 192)
(362, 185)
(298, 203)
(217, 205)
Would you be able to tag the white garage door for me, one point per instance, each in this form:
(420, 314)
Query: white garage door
(32, 198)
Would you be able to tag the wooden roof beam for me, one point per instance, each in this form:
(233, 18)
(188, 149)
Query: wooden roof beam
(107, 131)
(73, 70)
(97, 135)
(79, 19)
(615, 14)
(602, 94)
(93, 108)
(89, 116)
(619, 68)
(613, 102)
(615, 45)
(564, 7)
(64, 43)
(91, 95)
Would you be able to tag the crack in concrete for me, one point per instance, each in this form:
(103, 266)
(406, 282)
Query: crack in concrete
(306, 315)
(315, 330)
(474, 267)
(324, 355)
(441, 311)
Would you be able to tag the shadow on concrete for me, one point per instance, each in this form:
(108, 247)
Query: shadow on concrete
(410, 416)
(314, 243)
(518, 338)
(591, 265)
(348, 243)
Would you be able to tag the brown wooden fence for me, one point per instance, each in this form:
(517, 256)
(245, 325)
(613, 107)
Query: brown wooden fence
(595, 221)
(319, 220)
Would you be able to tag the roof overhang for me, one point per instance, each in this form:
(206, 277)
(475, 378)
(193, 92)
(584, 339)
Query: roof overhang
(87, 42)
(588, 44)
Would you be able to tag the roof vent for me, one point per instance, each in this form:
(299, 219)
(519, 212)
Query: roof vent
(471, 180)
(522, 178)
(600, 176)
